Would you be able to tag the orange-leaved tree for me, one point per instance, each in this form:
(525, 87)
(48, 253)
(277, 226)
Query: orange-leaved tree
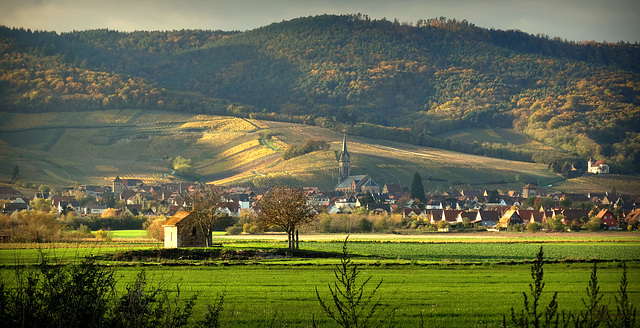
(288, 208)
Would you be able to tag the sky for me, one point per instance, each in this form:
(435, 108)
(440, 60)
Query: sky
(574, 20)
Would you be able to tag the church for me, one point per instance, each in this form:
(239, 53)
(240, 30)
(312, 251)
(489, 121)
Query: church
(348, 183)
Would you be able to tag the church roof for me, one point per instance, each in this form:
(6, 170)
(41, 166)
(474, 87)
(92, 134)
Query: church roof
(346, 183)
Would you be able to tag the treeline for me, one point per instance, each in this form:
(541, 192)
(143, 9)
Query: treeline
(306, 147)
(413, 82)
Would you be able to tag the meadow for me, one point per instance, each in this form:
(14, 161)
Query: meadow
(437, 280)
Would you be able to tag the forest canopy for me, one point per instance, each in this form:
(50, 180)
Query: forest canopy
(406, 82)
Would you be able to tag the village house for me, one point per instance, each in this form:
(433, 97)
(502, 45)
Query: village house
(607, 218)
(379, 209)
(529, 216)
(486, 218)
(633, 217)
(572, 216)
(450, 216)
(510, 218)
(7, 192)
(411, 212)
(394, 190)
(469, 216)
(15, 205)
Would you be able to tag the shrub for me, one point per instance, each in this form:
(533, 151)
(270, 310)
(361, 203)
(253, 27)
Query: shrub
(234, 230)
(34, 227)
(555, 224)
(383, 224)
(443, 225)
(83, 230)
(531, 315)
(154, 228)
(351, 307)
(364, 225)
(85, 295)
(594, 224)
(252, 228)
(533, 227)
(104, 235)
(324, 224)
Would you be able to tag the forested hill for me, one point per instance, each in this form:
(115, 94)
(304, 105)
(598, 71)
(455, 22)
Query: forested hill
(370, 77)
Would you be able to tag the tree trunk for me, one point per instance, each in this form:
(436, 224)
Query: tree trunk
(290, 238)
(208, 239)
(297, 240)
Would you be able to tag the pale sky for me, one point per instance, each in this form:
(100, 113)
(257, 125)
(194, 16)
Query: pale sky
(576, 20)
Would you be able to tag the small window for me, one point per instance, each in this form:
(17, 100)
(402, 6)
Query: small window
(193, 231)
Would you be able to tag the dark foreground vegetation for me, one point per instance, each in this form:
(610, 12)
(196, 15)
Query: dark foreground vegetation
(85, 294)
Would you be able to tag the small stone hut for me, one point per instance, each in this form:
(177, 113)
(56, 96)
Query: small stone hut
(181, 230)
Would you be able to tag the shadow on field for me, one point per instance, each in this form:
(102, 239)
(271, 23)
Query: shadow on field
(203, 254)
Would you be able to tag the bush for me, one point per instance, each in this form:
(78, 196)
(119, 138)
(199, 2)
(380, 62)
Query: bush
(83, 230)
(364, 225)
(533, 227)
(306, 147)
(34, 227)
(252, 228)
(594, 224)
(154, 228)
(350, 306)
(85, 295)
(531, 315)
(104, 235)
(324, 224)
(443, 225)
(234, 230)
(555, 224)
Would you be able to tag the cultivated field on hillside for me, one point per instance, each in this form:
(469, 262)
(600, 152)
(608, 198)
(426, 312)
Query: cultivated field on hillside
(93, 147)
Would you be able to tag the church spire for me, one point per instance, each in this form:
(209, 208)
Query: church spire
(345, 161)
(344, 145)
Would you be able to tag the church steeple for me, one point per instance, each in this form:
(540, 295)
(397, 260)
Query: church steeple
(345, 161)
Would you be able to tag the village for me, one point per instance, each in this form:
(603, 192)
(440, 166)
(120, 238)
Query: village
(478, 209)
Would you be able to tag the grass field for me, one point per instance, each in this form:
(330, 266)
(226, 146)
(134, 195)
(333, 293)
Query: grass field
(475, 296)
(441, 280)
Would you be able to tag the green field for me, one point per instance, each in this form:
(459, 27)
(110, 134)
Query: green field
(258, 296)
(129, 233)
(441, 280)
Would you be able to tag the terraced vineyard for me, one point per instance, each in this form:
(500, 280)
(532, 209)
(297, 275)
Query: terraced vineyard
(93, 147)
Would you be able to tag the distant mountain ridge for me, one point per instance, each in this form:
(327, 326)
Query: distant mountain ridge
(374, 78)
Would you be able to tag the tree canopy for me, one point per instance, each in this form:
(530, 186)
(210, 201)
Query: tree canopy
(287, 208)
(205, 207)
(417, 188)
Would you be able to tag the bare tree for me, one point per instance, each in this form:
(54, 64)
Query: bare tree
(205, 206)
(288, 208)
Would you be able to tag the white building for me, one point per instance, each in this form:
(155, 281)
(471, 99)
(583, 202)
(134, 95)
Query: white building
(597, 167)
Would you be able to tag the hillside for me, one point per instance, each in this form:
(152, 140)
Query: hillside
(65, 148)
(376, 78)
